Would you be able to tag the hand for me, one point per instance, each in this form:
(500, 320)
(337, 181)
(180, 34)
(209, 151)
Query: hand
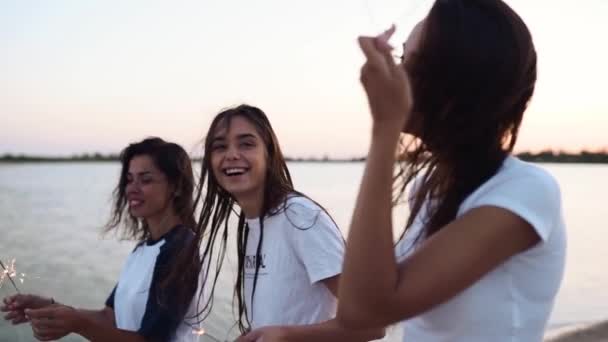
(265, 334)
(16, 304)
(386, 83)
(53, 322)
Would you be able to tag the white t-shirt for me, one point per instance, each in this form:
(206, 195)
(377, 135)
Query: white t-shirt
(301, 246)
(135, 299)
(512, 302)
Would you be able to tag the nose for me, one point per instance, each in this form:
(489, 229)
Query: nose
(132, 187)
(232, 153)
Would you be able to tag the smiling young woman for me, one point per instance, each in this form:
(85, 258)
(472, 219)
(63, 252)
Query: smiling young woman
(289, 248)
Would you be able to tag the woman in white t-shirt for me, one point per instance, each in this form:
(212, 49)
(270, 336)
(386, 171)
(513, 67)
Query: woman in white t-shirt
(482, 257)
(289, 249)
(154, 298)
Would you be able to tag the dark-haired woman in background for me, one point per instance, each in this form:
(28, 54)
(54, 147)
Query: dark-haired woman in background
(482, 257)
(154, 299)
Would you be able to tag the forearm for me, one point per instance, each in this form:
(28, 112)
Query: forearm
(97, 326)
(370, 268)
(98, 317)
(330, 331)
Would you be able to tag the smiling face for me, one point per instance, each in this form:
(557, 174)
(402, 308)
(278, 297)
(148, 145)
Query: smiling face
(239, 159)
(147, 189)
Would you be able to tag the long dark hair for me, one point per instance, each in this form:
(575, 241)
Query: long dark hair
(173, 161)
(218, 204)
(472, 76)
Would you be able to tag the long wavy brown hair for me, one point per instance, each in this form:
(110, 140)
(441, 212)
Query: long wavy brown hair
(473, 74)
(218, 206)
(175, 164)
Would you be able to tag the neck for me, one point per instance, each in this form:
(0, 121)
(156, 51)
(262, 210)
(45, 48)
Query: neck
(162, 224)
(251, 204)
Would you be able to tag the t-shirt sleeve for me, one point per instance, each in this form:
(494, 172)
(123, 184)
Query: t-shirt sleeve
(110, 300)
(163, 315)
(317, 241)
(534, 197)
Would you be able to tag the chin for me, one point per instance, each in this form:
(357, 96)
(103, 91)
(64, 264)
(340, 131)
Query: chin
(237, 191)
(137, 214)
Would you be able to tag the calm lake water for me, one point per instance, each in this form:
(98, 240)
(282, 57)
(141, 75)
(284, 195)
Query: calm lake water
(51, 217)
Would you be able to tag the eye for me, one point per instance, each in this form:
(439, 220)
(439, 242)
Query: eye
(248, 143)
(218, 147)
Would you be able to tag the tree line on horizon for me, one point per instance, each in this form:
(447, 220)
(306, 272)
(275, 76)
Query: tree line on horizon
(546, 156)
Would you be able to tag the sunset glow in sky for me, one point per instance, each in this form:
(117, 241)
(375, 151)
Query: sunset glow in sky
(88, 76)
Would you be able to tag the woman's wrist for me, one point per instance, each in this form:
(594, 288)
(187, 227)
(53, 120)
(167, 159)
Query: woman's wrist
(79, 321)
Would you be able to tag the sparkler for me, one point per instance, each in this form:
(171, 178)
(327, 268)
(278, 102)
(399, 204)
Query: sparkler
(404, 13)
(9, 272)
(201, 331)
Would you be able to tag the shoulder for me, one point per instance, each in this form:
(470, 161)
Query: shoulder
(304, 213)
(517, 177)
(179, 236)
(178, 240)
(524, 189)
(299, 202)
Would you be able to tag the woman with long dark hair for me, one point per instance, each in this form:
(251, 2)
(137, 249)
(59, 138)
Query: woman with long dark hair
(482, 256)
(289, 248)
(154, 299)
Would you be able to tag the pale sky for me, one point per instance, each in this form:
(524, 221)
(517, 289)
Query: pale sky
(84, 76)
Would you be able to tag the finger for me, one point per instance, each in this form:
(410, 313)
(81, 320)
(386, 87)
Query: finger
(37, 323)
(19, 320)
(43, 336)
(18, 301)
(382, 39)
(386, 50)
(12, 315)
(48, 323)
(10, 300)
(374, 57)
(40, 313)
(385, 36)
(40, 323)
(47, 330)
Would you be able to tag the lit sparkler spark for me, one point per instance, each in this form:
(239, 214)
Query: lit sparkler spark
(8, 273)
(198, 332)
(201, 331)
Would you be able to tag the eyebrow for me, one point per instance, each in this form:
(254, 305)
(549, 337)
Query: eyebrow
(245, 136)
(239, 137)
(143, 173)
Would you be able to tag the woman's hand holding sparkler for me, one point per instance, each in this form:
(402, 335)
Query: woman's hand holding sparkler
(386, 83)
(16, 305)
(54, 321)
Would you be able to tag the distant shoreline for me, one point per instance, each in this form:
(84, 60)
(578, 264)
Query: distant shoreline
(583, 157)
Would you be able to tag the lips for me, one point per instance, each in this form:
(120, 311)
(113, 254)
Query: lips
(234, 171)
(134, 203)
